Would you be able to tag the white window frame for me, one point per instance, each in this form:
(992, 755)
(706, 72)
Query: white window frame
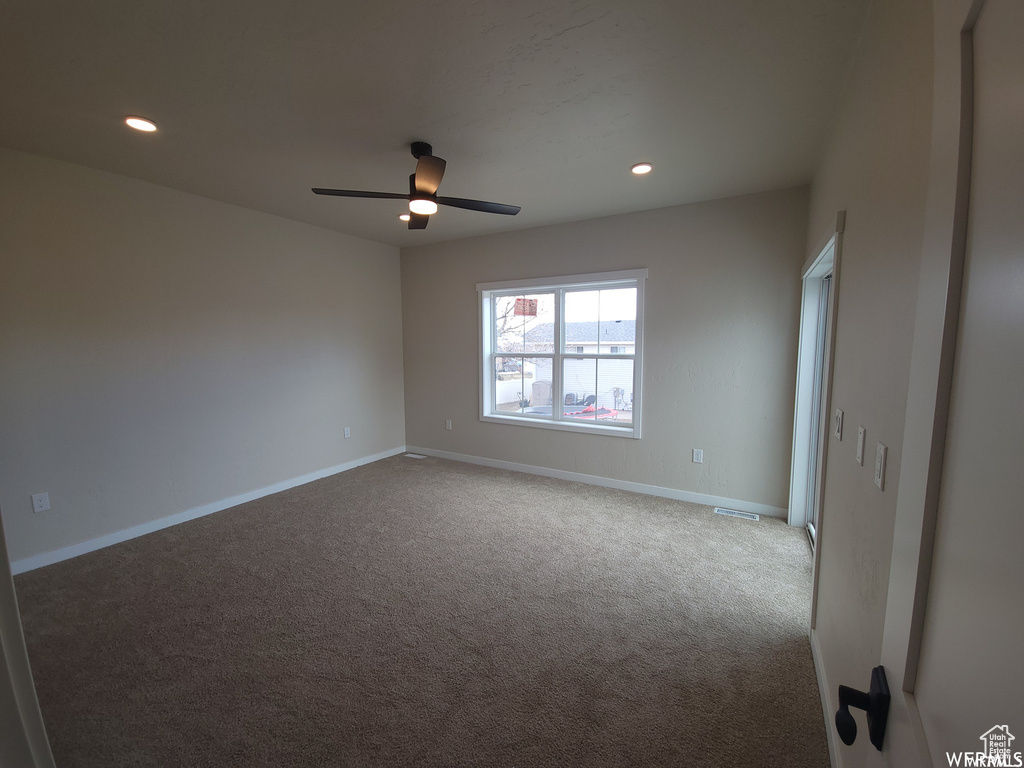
(558, 286)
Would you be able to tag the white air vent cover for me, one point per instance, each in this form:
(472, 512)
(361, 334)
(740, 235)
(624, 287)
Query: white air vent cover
(734, 513)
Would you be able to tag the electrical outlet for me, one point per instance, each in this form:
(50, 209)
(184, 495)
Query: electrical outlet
(860, 446)
(698, 456)
(348, 433)
(40, 502)
(880, 466)
(448, 424)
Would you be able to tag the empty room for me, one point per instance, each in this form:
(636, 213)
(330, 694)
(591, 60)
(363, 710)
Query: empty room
(536, 384)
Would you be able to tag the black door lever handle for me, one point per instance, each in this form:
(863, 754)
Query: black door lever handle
(875, 703)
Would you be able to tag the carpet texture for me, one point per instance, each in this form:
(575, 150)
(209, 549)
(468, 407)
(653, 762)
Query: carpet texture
(432, 613)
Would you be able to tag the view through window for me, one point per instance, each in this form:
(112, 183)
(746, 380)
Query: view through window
(564, 353)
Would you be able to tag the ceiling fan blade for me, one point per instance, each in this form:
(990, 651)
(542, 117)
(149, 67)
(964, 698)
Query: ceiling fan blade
(429, 172)
(479, 205)
(418, 221)
(357, 193)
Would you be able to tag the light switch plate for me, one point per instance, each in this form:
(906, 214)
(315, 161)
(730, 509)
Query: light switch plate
(860, 446)
(880, 452)
(838, 431)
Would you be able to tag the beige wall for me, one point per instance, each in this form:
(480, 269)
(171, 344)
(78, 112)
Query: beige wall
(161, 351)
(893, 157)
(875, 168)
(722, 306)
(971, 674)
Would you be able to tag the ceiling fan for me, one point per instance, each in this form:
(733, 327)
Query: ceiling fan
(423, 198)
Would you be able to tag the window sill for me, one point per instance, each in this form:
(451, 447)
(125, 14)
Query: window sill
(563, 426)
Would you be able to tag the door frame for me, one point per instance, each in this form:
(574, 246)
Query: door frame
(24, 727)
(807, 462)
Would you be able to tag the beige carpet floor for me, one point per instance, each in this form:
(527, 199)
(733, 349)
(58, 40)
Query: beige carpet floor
(433, 613)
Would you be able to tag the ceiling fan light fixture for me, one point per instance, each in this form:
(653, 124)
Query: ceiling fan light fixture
(140, 123)
(423, 206)
(642, 168)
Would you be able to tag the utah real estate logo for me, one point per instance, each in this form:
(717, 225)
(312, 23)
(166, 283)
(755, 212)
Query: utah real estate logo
(997, 750)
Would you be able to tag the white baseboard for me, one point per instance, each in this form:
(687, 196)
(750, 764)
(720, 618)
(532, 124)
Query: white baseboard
(826, 704)
(622, 485)
(65, 553)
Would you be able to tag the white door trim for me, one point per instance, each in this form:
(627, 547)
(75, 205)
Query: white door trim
(26, 742)
(818, 267)
(828, 258)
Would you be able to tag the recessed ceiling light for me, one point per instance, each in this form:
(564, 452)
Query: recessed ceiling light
(422, 205)
(641, 168)
(404, 216)
(140, 123)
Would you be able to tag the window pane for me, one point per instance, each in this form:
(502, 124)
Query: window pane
(598, 390)
(579, 384)
(522, 385)
(581, 321)
(617, 320)
(615, 390)
(601, 322)
(524, 323)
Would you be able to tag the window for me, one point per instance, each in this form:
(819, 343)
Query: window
(564, 353)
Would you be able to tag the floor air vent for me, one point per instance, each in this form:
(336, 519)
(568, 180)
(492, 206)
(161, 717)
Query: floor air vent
(734, 513)
(415, 456)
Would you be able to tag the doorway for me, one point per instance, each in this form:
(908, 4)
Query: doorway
(813, 386)
(817, 406)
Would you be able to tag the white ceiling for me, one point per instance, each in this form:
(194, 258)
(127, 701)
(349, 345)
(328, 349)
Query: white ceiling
(540, 103)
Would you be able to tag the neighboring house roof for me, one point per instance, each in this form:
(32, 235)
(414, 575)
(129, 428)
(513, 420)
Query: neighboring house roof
(586, 332)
